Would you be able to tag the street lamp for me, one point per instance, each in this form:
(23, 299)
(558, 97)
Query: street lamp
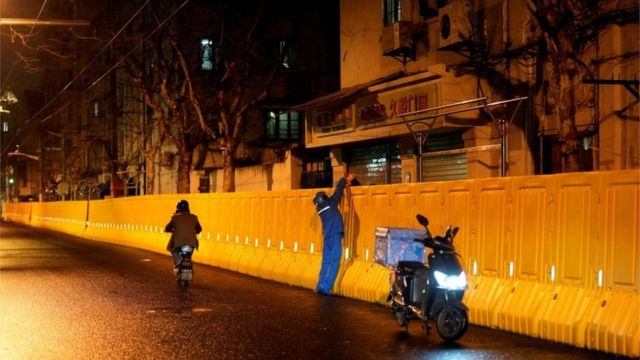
(7, 98)
(19, 153)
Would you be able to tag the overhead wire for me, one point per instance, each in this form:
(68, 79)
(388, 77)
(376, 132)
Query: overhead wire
(138, 46)
(28, 121)
(105, 73)
(24, 44)
(160, 25)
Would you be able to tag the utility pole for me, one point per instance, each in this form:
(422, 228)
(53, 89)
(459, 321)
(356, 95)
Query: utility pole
(41, 165)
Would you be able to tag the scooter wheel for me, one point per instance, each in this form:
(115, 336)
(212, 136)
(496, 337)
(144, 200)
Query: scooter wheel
(451, 323)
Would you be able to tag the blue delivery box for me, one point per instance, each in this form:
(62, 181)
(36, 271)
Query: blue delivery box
(396, 244)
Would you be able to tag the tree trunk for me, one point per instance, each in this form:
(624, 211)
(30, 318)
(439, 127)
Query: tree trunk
(184, 172)
(564, 77)
(229, 182)
(150, 170)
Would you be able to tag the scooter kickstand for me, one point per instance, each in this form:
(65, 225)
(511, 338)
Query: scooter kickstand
(426, 327)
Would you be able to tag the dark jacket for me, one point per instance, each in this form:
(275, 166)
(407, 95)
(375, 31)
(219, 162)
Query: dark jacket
(329, 213)
(184, 228)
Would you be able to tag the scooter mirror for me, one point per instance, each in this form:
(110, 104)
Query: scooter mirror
(455, 231)
(422, 220)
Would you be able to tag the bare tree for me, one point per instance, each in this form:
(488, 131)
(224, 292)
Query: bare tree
(36, 46)
(244, 68)
(193, 105)
(51, 55)
(157, 71)
(569, 28)
(165, 95)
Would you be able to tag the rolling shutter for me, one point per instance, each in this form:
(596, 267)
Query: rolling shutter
(448, 166)
(376, 164)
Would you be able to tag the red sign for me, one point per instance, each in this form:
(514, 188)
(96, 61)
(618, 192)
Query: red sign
(401, 104)
(408, 103)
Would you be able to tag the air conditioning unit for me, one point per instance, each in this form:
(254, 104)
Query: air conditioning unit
(455, 27)
(397, 38)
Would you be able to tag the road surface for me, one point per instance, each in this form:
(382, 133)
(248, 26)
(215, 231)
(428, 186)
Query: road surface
(67, 298)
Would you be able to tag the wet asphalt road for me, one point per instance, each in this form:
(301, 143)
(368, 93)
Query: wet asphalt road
(67, 298)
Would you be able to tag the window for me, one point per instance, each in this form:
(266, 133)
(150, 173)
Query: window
(96, 109)
(204, 184)
(5, 126)
(207, 55)
(284, 54)
(285, 50)
(392, 11)
(317, 173)
(283, 125)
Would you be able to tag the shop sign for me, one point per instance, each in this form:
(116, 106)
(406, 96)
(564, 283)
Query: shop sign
(388, 107)
(333, 120)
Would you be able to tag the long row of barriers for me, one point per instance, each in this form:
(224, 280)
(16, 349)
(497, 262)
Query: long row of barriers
(555, 257)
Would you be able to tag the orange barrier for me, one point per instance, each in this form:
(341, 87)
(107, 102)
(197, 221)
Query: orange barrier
(556, 257)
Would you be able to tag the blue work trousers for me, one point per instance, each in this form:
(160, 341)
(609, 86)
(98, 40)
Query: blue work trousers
(331, 253)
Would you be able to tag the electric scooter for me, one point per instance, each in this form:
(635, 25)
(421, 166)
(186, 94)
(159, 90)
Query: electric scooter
(433, 292)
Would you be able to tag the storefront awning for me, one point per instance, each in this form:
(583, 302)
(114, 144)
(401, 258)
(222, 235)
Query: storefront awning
(382, 108)
(343, 94)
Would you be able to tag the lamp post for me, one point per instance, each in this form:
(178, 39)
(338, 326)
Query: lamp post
(17, 152)
(8, 183)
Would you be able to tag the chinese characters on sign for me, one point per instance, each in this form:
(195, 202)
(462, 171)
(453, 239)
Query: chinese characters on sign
(407, 104)
(390, 108)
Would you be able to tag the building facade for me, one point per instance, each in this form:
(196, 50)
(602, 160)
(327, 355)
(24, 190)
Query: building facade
(403, 62)
(390, 90)
(95, 135)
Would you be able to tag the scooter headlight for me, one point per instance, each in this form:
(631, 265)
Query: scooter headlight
(451, 282)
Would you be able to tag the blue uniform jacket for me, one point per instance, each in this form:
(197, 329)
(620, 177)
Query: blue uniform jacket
(329, 213)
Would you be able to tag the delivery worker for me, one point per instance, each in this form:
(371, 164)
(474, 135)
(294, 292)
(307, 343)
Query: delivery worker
(332, 233)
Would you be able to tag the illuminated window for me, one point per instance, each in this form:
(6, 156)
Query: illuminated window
(207, 56)
(96, 109)
(283, 125)
(284, 54)
(5, 126)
